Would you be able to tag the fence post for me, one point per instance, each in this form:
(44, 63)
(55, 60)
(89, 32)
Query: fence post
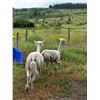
(17, 39)
(69, 34)
(34, 28)
(26, 35)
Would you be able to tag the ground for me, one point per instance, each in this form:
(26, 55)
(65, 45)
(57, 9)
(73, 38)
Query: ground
(59, 85)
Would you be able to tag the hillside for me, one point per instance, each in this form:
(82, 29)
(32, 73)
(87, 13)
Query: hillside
(52, 17)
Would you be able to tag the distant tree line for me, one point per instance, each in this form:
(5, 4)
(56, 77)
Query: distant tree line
(69, 6)
(21, 22)
(27, 12)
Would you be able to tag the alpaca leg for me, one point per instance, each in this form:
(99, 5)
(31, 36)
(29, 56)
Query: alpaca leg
(27, 75)
(31, 80)
(51, 63)
(39, 69)
(28, 80)
(34, 77)
(58, 63)
(46, 67)
(55, 67)
(50, 67)
(32, 67)
(37, 74)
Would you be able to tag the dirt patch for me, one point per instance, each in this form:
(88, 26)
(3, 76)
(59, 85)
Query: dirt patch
(71, 75)
(56, 86)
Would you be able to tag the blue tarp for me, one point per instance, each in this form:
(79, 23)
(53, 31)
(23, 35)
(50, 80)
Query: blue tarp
(18, 55)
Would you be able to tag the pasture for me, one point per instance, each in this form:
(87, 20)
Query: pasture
(69, 81)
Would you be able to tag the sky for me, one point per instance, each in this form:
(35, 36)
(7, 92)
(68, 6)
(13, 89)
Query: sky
(41, 3)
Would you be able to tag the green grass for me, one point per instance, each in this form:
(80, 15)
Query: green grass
(75, 50)
(58, 84)
(73, 56)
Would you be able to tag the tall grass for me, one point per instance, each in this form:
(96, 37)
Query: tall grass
(75, 51)
(74, 55)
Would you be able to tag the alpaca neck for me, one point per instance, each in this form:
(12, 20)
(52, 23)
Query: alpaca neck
(59, 47)
(38, 48)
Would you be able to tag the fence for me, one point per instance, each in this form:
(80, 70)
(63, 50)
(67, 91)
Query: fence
(68, 33)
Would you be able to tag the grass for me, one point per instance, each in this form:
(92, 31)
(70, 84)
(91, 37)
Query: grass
(71, 74)
(73, 65)
(58, 84)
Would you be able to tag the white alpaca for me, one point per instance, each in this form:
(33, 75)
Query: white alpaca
(34, 71)
(33, 62)
(53, 55)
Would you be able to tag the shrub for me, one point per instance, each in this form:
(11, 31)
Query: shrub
(22, 23)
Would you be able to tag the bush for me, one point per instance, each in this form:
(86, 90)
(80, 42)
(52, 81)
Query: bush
(22, 23)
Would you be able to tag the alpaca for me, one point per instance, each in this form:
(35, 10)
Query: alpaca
(53, 55)
(34, 73)
(33, 62)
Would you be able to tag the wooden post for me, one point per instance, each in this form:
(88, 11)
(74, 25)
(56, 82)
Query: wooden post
(17, 39)
(68, 34)
(69, 22)
(26, 35)
(34, 28)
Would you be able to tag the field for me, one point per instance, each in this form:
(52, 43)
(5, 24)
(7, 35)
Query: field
(69, 82)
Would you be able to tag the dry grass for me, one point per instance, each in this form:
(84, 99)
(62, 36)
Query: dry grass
(49, 86)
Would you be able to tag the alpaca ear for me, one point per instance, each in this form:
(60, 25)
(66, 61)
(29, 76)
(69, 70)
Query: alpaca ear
(35, 42)
(64, 39)
(59, 38)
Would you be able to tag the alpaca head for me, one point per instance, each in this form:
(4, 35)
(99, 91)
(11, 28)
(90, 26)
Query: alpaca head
(62, 41)
(39, 43)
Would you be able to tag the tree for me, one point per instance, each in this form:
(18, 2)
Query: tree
(22, 23)
(50, 6)
(70, 6)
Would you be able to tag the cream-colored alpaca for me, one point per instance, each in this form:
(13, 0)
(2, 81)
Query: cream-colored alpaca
(53, 55)
(33, 63)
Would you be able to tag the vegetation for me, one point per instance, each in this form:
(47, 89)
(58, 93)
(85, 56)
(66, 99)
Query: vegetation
(50, 16)
(69, 6)
(70, 78)
(21, 22)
